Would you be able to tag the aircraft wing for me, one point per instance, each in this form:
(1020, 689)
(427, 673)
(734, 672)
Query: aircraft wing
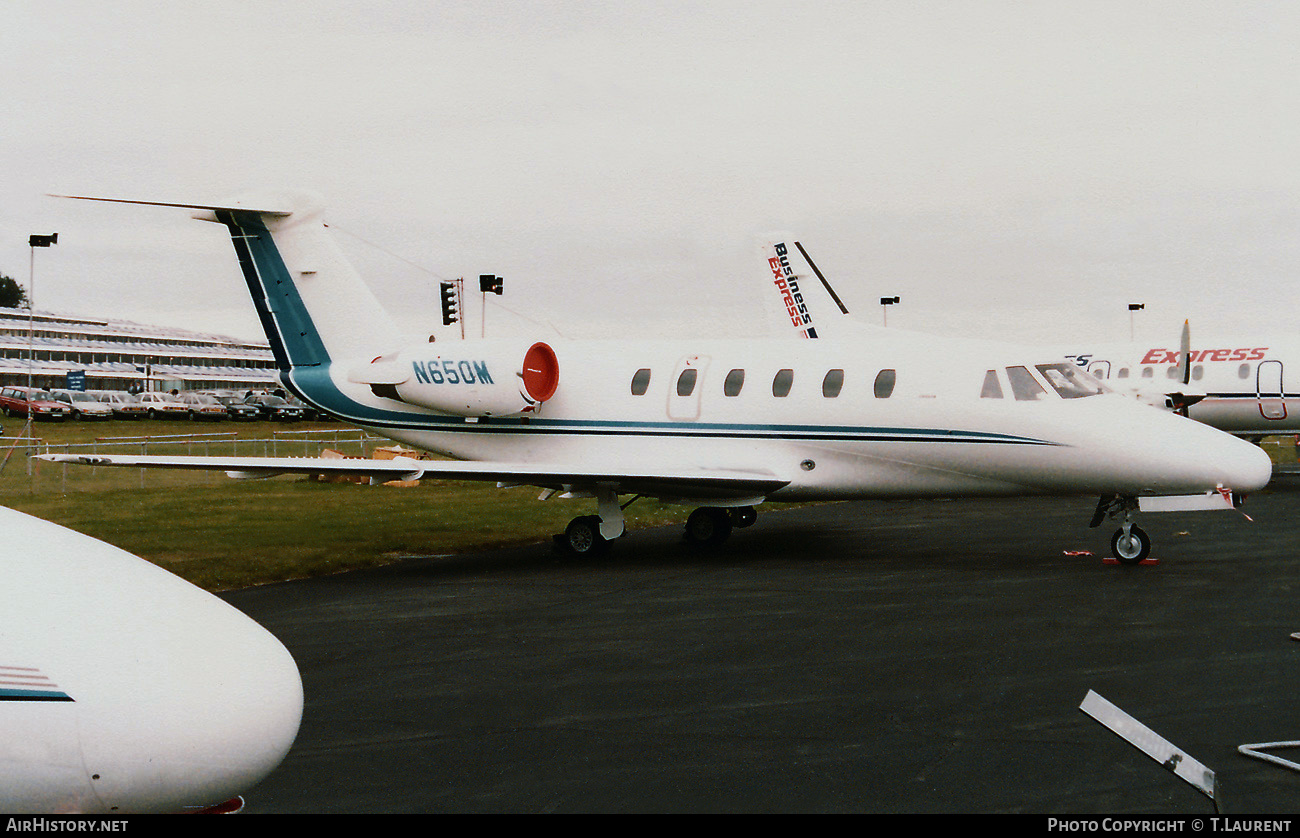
(666, 483)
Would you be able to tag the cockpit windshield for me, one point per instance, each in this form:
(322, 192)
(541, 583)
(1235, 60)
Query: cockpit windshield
(1070, 381)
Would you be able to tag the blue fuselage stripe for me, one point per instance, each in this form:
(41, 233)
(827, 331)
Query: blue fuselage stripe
(32, 695)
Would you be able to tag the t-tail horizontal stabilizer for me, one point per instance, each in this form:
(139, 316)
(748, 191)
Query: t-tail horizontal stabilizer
(233, 206)
(313, 306)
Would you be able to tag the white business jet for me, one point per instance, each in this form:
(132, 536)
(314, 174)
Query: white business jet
(125, 689)
(722, 425)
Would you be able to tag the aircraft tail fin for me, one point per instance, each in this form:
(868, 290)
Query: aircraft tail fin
(313, 305)
(791, 271)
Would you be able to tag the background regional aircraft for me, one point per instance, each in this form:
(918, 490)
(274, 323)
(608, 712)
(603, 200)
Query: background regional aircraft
(1246, 387)
(719, 424)
(125, 689)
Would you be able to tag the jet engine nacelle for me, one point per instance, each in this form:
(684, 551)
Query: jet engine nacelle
(468, 378)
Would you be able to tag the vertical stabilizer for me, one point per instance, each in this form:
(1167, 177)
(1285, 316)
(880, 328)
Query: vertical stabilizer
(785, 287)
(794, 283)
(313, 305)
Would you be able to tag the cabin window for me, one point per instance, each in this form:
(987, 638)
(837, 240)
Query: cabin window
(1243, 371)
(992, 387)
(686, 382)
(640, 382)
(1123, 373)
(832, 383)
(1023, 385)
(1172, 372)
(732, 384)
(1148, 372)
(884, 385)
(781, 383)
(1197, 372)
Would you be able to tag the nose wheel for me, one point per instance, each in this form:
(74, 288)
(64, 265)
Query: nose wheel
(1130, 544)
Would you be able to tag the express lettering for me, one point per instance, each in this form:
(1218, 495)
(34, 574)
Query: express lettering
(451, 372)
(1170, 356)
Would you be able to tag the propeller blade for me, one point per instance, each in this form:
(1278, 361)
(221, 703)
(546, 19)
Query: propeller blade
(1185, 353)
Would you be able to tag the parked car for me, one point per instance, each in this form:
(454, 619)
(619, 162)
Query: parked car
(203, 406)
(310, 413)
(17, 401)
(236, 408)
(163, 405)
(84, 406)
(124, 405)
(275, 408)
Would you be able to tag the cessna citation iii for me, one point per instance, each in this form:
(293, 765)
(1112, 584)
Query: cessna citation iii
(722, 425)
(125, 689)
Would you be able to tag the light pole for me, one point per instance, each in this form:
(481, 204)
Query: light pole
(1132, 329)
(885, 302)
(33, 241)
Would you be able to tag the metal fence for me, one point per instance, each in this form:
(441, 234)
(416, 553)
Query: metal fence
(16, 455)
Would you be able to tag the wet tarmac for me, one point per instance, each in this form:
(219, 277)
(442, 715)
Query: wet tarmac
(920, 656)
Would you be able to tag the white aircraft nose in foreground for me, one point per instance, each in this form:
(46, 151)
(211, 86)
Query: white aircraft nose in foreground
(719, 424)
(124, 688)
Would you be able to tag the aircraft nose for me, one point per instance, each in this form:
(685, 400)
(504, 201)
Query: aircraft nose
(1204, 458)
(152, 694)
(1247, 468)
(219, 713)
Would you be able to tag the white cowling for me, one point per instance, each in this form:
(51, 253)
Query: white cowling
(468, 378)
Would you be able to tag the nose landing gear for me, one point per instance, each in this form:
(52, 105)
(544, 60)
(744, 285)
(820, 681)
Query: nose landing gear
(1130, 544)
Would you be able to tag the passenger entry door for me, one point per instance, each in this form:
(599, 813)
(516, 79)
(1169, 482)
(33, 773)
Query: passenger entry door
(1100, 369)
(1268, 387)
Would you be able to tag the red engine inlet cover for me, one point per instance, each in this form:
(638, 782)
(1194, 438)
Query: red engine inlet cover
(541, 372)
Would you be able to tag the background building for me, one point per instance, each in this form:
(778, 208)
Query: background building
(121, 355)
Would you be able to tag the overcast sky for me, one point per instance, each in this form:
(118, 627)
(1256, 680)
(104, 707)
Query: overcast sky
(1014, 170)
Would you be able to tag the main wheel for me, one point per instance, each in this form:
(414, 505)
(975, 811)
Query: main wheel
(708, 526)
(582, 537)
(744, 516)
(1134, 548)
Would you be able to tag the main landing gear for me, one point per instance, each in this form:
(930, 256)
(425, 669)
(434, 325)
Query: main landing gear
(710, 526)
(1130, 544)
(590, 535)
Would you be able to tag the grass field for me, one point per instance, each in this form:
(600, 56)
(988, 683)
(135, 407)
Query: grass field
(222, 534)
